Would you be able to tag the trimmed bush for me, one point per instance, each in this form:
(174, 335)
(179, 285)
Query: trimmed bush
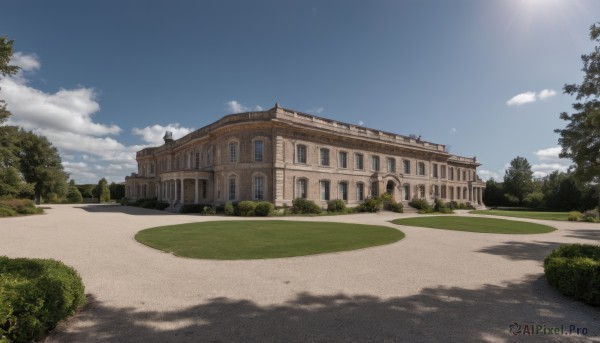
(36, 295)
(209, 210)
(396, 207)
(124, 201)
(192, 208)
(264, 209)
(7, 212)
(246, 208)
(421, 204)
(305, 206)
(574, 216)
(228, 209)
(370, 205)
(20, 206)
(161, 206)
(440, 206)
(336, 205)
(590, 216)
(575, 271)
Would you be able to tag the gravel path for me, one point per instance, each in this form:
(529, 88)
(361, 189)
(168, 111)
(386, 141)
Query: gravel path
(434, 285)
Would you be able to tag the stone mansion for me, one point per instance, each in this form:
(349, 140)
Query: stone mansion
(281, 154)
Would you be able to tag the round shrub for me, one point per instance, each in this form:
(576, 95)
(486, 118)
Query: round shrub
(575, 271)
(7, 212)
(370, 205)
(396, 207)
(305, 206)
(421, 204)
(574, 216)
(336, 205)
(246, 208)
(590, 216)
(264, 209)
(228, 209)
(35, 295)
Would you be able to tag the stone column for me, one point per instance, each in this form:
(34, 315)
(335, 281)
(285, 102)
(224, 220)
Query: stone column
(182, 189)
(195, 190)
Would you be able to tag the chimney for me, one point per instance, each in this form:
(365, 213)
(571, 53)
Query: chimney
(168, 137)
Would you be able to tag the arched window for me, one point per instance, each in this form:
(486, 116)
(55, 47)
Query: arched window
(259, 184)
(233, 152)
(302, 188)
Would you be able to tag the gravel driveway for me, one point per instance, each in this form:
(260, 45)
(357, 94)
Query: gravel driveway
(434, 285)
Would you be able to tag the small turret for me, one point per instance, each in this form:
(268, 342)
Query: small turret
(168, 137)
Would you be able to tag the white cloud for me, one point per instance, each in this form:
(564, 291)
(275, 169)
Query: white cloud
(521, 99)
(527, 97)
(361, 123)
(549, 154)
(29, 62)
(543, 169)
(317, 110)
(485, 175)
(65, 118)
(65, 110)
(235, 107)
(546, 93)
(453, 131)
(154, 134)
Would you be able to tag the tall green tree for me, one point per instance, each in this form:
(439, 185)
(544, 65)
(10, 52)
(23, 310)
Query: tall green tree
(103, 191)
(41, 165)
(580, 139)
(73, 194)
(11, 182)
(518, 178)
(117, 191)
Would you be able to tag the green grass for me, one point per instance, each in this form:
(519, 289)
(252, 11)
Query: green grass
(474, 224)
(234, 240)
(525, 214)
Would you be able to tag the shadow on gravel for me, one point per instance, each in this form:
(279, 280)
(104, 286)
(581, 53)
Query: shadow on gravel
(436, 314)
(137, 211)
(591, 234)
(514, 250)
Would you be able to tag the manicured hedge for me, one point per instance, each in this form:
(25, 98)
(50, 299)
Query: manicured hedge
(336, 205)
(575, 271)
(35, 294)
(13, 207)
(305, 206)
(264, 209)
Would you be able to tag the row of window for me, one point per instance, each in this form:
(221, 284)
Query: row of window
(437, 171)
(258, 188)
(325, 190)
(257, 151)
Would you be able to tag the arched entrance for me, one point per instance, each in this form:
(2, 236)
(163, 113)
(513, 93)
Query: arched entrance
(389, 187)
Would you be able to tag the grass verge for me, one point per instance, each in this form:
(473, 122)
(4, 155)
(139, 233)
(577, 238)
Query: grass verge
(475, 224)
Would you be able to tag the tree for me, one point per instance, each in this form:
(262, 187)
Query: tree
(518, 178)
(41, 165)
(103, 191)
(117, 191)
(580, 139)
(6, 52)
(493, 195)
(73, 195)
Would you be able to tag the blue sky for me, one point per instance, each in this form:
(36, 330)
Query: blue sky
(103, 79)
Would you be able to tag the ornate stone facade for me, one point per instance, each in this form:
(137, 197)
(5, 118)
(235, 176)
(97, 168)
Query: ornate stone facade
(280, 154)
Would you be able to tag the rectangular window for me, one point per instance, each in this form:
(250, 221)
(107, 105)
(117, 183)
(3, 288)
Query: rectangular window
(421, 168)
(360, 191)
(324, 157)
(258, 188)
(360, 165)
(258, 151)
(406, 165)
(301, 154)
(344, 191)
(451, 173)
(375, 163)
(443, 195)
(204, 191)
(422, 191)
(374, 189)
(324, 190)
(302, 188)
(465, 175)
(232, 188)
(391, 165)
(197, 161)
(233, 152)
(343, 160)
(443, 172)
(434, 170)
(406, 192)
